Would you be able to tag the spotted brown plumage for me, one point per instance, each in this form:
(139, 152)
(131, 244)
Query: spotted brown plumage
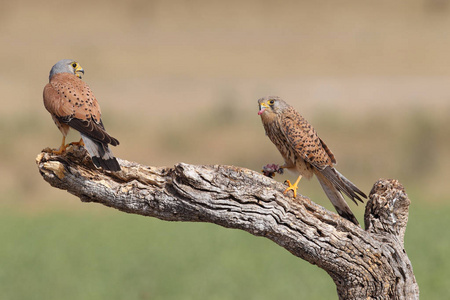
(304, 152)
(72, 104)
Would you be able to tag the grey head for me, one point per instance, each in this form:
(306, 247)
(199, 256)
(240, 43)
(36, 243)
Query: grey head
(272, 105)
(66, 66)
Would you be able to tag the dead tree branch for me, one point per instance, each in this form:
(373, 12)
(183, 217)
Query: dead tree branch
(364, 264)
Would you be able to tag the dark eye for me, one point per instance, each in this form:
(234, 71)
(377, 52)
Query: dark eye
(74, 65)
(271, 102)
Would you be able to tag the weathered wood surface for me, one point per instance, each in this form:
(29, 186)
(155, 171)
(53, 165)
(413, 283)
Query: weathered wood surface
(364, 264)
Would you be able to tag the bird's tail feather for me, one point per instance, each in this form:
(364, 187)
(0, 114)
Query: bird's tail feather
(101, 154)
(342, 184)
(336, 198)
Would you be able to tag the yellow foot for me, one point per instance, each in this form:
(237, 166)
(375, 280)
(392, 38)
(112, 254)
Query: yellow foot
(79, 143)
(293, 187)
(61, 150)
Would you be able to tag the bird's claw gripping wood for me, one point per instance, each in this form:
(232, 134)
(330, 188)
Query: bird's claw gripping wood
(62, 148)
(79, 143)
(293, 187)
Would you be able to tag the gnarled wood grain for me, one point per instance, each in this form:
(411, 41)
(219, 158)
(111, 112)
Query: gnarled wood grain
(364, 264)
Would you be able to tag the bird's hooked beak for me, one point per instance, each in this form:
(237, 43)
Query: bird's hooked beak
(78, 70)
(262, 107)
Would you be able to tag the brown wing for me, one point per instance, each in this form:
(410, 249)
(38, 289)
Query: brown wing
(305, 141)
(310, 147)
(71, 101)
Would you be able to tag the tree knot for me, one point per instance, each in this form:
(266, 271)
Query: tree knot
(387, 208)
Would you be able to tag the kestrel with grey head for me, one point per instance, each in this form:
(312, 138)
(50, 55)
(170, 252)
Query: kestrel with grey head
(305, 153)
(72, 104)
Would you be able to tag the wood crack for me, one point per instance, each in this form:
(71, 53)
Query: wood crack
(367, 263)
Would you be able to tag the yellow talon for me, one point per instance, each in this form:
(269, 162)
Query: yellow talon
(62, 148)
(293, 187)
(80, 143)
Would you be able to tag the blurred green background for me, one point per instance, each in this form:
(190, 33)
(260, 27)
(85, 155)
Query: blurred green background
(178, 81)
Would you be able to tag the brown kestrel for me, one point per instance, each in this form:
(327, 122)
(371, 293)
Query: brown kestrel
(72, 104)
(303, 151)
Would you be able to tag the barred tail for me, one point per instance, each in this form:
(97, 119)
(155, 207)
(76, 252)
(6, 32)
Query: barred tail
(342, 184)
(336, 198)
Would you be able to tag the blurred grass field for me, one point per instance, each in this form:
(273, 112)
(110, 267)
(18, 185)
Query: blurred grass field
(178, 81)
(110, 255)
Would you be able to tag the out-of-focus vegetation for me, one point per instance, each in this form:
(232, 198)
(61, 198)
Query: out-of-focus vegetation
(100, 254)
(178, 81)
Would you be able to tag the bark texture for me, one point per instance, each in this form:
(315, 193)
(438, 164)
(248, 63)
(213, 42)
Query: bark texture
(364, 264)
